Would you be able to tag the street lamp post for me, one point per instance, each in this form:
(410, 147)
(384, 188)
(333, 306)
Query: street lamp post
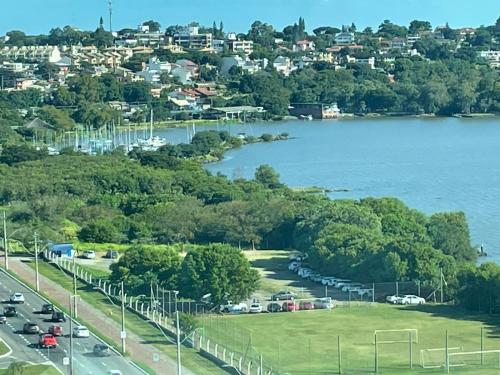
(70, 336)
(5, 242)
(37, 279)
(178, 331)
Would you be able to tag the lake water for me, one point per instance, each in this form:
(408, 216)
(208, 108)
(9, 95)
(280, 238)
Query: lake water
(433, 165)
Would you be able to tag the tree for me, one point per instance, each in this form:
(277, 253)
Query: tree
(56, 117)
(449, 233)
(268, 177)
(416, 27)
(154, 26)
(19, 153)
(16, 38)
(100, 231)
(219, 270)
(141, 266)
(137, 92)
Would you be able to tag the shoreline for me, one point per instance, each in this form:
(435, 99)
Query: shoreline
(347, 116)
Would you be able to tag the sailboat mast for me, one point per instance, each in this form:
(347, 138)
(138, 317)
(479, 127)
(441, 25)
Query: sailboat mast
(151, 125)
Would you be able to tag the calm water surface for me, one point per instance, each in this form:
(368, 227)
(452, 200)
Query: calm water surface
(431, 164)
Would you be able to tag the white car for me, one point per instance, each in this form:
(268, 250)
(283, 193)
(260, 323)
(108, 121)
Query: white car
(255, 308)
(323, 303)
(293, 266)
(304, 271)
(411, 299)
(17, 298)
(393, 299)
(114, 372)
(89, 254)
(234, 309)
(352, 287)
(81, 331)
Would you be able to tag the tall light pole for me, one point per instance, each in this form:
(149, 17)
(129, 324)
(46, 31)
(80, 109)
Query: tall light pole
(178, 331)
(70, 337)
(37, 279)
(5, 242)
(74, 286)
(110, 4)
(123, 335)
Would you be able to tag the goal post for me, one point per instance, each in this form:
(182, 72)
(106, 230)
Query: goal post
(489, 358)
(396, 336)
(436, 357)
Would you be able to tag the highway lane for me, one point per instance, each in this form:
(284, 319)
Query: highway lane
(25, 346)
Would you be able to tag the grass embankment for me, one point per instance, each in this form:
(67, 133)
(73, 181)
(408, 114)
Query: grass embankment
(34, 370)
(190, 358)
(4, 349)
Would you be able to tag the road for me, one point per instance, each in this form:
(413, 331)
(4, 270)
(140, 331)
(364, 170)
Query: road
(25, 346)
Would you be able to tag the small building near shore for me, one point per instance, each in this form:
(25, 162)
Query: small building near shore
(65, 250)
(318, 111)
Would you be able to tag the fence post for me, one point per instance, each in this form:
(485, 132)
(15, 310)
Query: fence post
(109, 289)
(482, 347)
(339, 355)
(240, 363)
(397, 288)
(142, 308)
(216, 350)
(261, 365)
(90, 278)
(147, 312)
(224, 354)
(447, 359)
(104, 287)
(376, 354)
(208, 345)
(201, 342)
(249, 367)
(411, 348)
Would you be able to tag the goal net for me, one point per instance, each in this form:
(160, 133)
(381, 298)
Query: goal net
(395, 336)
(435, 358)
(487, 358)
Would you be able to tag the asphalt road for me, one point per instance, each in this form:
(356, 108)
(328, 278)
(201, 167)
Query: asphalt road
(25, 346)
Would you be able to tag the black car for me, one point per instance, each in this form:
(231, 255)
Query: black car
(9, 311)
(102, 350)
(58, 317)
(31, 328)
(111, 254)
(48, 308)
(274, 307)
(283, 296)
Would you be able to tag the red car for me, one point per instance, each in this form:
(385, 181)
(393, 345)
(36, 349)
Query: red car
(56, 330)
(290, 306)
(47, 341)
(306, 305)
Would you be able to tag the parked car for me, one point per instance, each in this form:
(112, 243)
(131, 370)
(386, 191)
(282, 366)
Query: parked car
(411, 299)
(351, 287)
(304, 271)
(47, 340)
(114, 372)
(290, 306)
(274, 307)
(323, 303)
(101, 350)
(58, 317)
(364, 292)
(47, 308)
(56, 330)
(293, 266)
(81, 331)
(111, 254)
(255, 308)
(393, 299)
(233, 309)
(9, 311)
(16, 298)
(31, 328)
(3, 319)
(283, 296)
(89, 254)
(306, 305)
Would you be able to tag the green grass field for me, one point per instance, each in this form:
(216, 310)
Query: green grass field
(35, 370)
(306, 342)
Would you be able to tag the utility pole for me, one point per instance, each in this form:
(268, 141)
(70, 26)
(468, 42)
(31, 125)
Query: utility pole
(5, 242)
(70, 338)
(37, 279)
(441, 282)
(123, 334)
(110, 16)
(74, 286)
(178, 331)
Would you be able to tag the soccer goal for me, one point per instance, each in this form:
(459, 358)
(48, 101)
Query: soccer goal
(487, 358)
(436, 357)
(396, 336)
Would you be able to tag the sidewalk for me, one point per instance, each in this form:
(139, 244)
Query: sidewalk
(138, 350)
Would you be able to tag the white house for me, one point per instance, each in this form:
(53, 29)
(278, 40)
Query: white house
(492, 57)
(304, 46)
(283, 65)
(344, 37)
(248, 66)
(183, 74)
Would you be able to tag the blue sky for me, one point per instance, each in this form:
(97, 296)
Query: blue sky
(38, 16)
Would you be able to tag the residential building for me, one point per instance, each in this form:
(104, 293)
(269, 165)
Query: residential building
(189, 37)
(218, 45)
(398, 43)
(34, 53)
(492, 57)
(241, 46)
(370, 61)
(344, 37)
(283, 65)
(154, 69)
(304, 46)
(248, 66)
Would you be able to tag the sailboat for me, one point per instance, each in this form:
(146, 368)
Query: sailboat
(153, 143)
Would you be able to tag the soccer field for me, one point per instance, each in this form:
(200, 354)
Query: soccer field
(306, 342)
